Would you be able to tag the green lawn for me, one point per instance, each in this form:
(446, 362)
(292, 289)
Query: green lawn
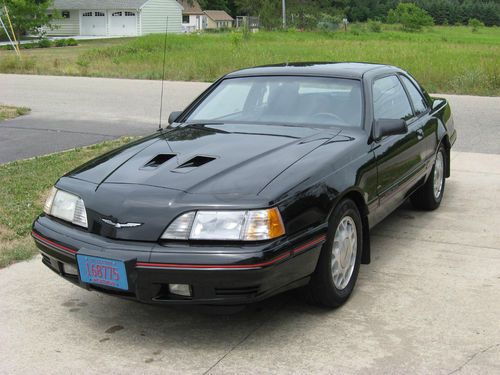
(8, 112)
(24, 187)
(444, 59)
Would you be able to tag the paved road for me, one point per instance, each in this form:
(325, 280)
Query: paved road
(428, 304)
(76, 111)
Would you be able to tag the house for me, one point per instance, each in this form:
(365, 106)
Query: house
(218, 19)
(193, 18)
(115, 17)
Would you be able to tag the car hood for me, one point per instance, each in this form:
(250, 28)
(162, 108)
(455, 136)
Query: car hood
(207, 159)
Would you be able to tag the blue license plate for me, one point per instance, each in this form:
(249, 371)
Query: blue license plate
(108, 272)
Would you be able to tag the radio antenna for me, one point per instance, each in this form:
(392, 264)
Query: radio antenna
(163, 73)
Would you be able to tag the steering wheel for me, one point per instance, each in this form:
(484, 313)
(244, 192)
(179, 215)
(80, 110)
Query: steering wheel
(333, 116)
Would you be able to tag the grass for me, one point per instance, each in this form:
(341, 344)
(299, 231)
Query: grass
(443, 59)
(8, 112)
(24, 187)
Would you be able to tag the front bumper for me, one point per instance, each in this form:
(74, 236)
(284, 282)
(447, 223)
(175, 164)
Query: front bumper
(217, 274)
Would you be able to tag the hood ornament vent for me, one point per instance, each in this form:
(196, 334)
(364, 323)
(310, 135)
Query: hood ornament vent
(197, 161)
(158, 160)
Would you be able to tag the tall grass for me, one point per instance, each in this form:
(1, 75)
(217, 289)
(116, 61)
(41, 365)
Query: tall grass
(444, 59)
(451, 60)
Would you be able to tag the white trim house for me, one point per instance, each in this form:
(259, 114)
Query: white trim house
(193, 18)
(115, 17)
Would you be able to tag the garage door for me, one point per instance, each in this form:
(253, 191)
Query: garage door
(123, 22)
(93, 22)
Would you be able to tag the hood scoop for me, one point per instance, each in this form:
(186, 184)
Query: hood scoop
(158, 160)
(193, 163)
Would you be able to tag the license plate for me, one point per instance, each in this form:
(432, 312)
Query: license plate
(108, 272)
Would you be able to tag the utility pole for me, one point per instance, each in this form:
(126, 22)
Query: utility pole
(283, 9)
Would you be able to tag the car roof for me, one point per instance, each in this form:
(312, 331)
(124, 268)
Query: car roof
(335, 69)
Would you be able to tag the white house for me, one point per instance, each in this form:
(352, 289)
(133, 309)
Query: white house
(116, 17)
(193, 18)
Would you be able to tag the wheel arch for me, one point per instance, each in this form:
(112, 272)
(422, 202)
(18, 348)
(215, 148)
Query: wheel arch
(445, 141)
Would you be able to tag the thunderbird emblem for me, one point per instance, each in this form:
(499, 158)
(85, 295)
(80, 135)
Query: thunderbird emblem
(121, 225)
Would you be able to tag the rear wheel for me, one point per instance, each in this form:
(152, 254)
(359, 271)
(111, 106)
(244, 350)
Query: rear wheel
(429, 196)
(338, 265)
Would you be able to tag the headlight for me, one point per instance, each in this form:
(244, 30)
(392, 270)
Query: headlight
(66, 206)
(251, 225)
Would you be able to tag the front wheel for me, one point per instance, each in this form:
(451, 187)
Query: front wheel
(333, 281)
(429, 196)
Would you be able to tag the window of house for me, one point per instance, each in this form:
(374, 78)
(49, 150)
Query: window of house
(390, 100)
(129, 14)
(419, 103)
(185, 18)
(87, 14)
(99, 14)
(65, 14)
(116, 14)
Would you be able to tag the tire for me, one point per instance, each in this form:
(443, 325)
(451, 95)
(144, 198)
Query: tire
(327, 287)
(429, 196)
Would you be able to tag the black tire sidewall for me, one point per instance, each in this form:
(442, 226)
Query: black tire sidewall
(327, 292)
(431, 177)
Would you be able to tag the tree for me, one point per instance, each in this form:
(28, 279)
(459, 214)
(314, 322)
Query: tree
(410, 16)
(28, 16)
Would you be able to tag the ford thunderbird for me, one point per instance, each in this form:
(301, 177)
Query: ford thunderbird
(270, 180)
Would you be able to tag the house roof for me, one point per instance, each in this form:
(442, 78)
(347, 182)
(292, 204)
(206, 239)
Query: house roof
(190, 7)
(218, 15)
(97, 4)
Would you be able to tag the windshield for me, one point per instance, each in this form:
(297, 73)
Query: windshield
(289, 100)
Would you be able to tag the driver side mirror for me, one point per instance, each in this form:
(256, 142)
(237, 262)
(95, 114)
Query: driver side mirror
(174, 116)
(385, 127)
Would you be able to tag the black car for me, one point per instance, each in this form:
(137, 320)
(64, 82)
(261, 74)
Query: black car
(270, 180)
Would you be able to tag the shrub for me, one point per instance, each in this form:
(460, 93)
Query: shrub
(44, 43)
(375, 26)
(475, 24)
(61, 43)
(328, 22)
(28, 45)
(410, 16)
(71, 42)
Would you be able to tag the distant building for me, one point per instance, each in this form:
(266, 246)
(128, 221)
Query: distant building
(193, 18)
(218, 19)
(113, 17)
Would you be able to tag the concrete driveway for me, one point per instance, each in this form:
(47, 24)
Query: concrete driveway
(77, 111)
(428, 304)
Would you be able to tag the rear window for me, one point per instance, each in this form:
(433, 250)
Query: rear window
(285, 100)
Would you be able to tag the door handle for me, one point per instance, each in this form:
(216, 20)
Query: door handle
(420, 134)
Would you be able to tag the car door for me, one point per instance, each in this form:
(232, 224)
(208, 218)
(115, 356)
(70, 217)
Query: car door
(425, 124)
(398, 157)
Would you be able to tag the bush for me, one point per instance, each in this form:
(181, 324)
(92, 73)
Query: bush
(375, 26)
(61, 43)
(328, 22)
(44, 43)
(475, 24)
(71, 42)
(410, 16)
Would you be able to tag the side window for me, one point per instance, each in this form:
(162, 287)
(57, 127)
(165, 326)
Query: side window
(416, 97)
(390, 100)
